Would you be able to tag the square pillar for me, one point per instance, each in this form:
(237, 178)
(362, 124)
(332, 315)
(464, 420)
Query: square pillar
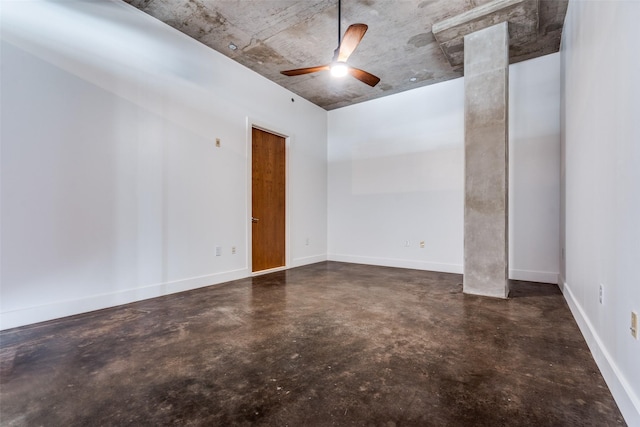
(486, 207)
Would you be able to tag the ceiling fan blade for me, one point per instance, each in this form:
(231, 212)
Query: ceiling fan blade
(364, 77)
(350, 41)
(300, 71)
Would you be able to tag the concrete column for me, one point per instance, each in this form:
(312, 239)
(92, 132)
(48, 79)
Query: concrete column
(486, 85)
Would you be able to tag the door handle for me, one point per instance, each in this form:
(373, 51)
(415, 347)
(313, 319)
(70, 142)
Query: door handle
(254, 219)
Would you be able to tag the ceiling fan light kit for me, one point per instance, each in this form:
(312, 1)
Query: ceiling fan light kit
(339, 69)
(346, 46)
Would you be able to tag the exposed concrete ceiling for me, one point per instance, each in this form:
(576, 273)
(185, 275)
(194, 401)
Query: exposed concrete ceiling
(399, 47)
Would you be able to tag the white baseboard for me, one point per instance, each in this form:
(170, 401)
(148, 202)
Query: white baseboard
(399, 263)
(299, 262)
(58, 309)
(533, 276)
(628, 402)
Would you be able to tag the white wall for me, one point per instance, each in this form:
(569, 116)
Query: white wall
(112, 188)
(395, 175)
(601, 137)
(534, 169)
(396, 168)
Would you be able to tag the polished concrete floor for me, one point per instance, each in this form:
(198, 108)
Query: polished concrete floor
(326, 344)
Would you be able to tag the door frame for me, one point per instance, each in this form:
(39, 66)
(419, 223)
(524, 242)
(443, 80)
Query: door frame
(266, 127)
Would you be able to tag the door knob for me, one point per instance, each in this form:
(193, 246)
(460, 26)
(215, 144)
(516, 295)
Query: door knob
(254, 219)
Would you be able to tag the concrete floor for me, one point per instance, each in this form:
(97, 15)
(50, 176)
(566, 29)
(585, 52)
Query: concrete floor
(326, 344)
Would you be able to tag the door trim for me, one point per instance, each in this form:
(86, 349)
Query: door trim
(250, 124)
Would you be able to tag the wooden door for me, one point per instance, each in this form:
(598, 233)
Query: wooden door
(268, 183)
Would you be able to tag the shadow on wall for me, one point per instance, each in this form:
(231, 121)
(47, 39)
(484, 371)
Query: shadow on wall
(99, 43)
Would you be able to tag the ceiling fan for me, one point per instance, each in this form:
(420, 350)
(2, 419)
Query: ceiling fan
(346, 46)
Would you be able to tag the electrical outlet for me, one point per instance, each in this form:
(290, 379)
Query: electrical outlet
(407, 243)
(634, 324)
(601, 294)
(218, 251)
(422, 244)
(233, 250)
(218, 142)
(306, 242)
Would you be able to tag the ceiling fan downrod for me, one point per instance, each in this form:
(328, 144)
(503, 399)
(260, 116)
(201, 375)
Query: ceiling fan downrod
(339, 21)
